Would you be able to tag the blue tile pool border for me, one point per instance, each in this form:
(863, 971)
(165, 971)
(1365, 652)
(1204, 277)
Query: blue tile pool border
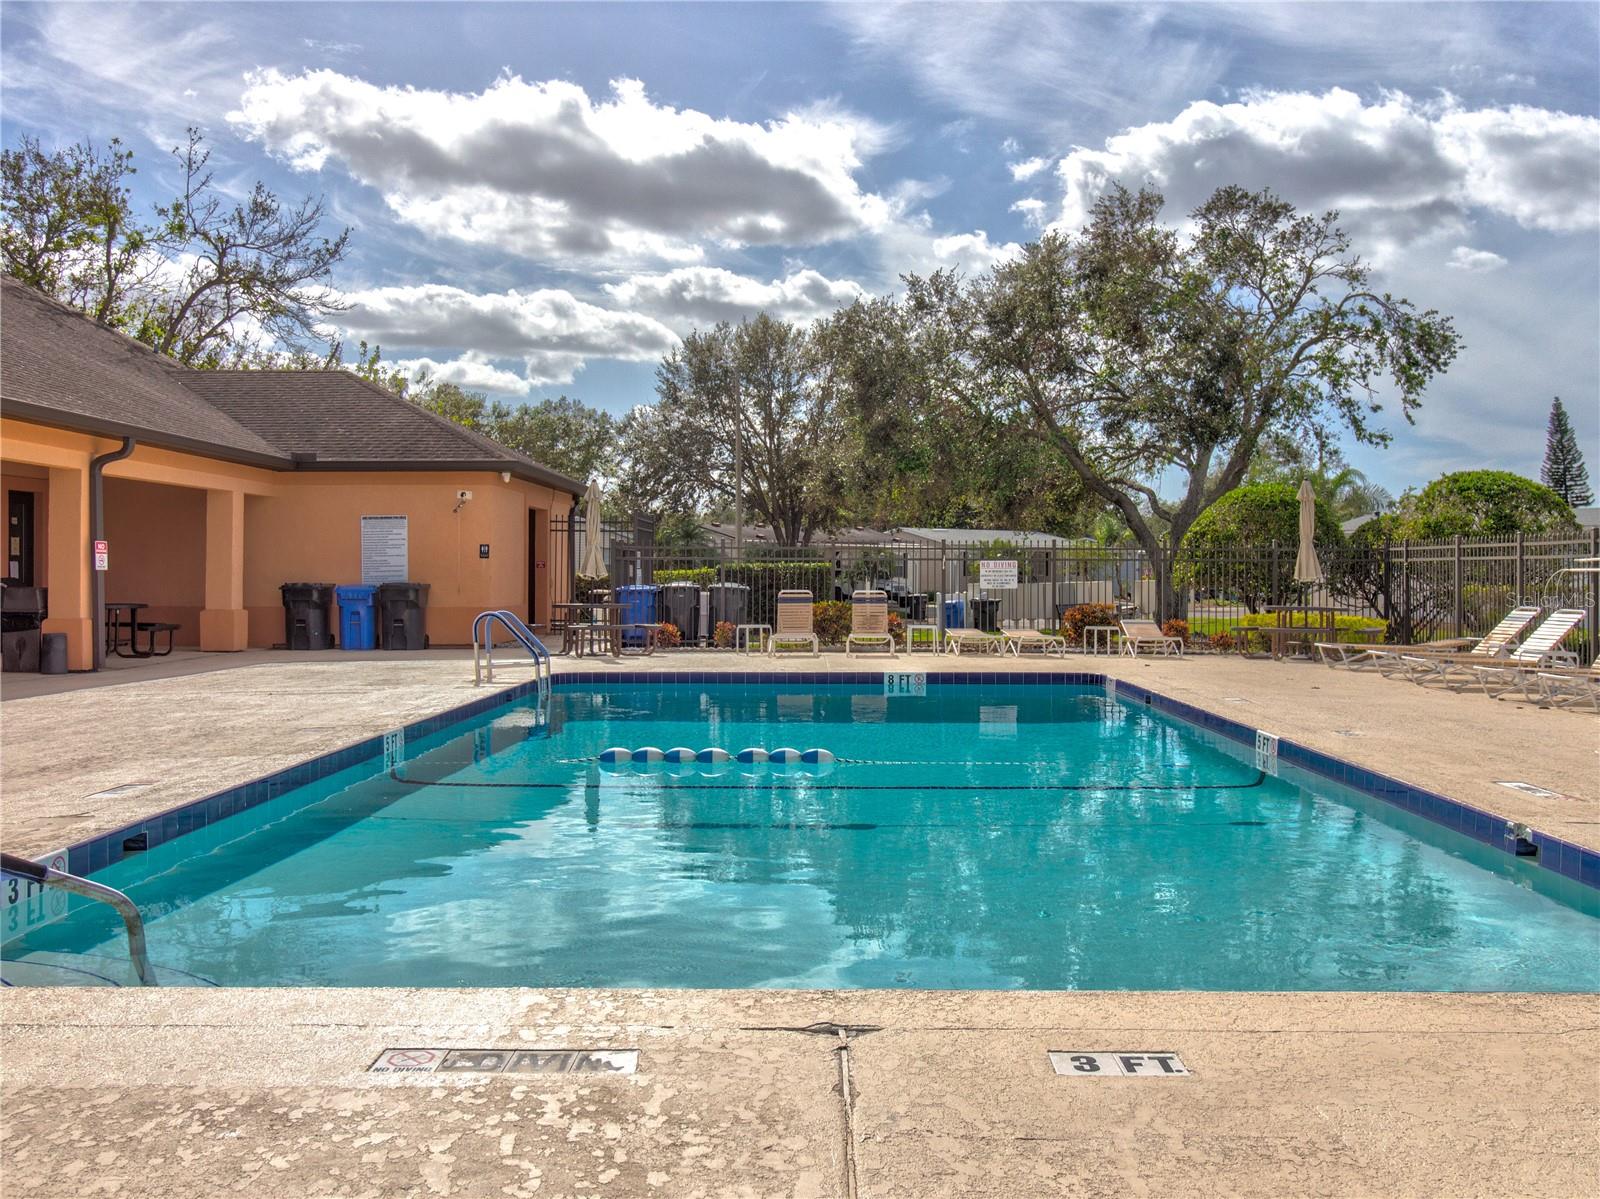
(1561, 857)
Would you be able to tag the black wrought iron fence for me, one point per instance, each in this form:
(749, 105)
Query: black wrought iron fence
(1412, 591)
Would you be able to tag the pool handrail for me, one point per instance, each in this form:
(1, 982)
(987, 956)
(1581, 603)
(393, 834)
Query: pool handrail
(483, 648)
(47, 876)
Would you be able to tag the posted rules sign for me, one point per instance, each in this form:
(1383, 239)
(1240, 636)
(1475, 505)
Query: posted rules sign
(999, 574)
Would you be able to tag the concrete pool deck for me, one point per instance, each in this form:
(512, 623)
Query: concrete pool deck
(264, 1092)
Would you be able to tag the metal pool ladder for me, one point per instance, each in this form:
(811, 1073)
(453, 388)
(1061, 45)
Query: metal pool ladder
(483, 649)
(46, 877)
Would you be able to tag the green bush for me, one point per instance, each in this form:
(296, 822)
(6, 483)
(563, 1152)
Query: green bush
(584, 586)
(1482, 503)
(702, 576)
(1229, 546)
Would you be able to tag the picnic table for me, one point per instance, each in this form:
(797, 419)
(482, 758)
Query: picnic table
(594, 627)
(1317, 624)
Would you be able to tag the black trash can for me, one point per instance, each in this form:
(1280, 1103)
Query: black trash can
(680, 607)
(22, 611)
(305, 615)
(53, 657)
(401, 615)
(729, 602)
(985, 614)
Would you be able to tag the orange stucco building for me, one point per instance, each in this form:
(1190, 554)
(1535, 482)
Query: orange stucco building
(236, 482)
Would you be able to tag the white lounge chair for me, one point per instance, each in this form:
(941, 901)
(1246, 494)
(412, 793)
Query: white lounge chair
(958, 640)
(1137, 633)
(869, 622)
(1567, 688)
(793, 625)
(1387, 658)
(1017, 640)
(1542, 648)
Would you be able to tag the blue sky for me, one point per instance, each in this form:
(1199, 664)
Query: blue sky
(544, 197)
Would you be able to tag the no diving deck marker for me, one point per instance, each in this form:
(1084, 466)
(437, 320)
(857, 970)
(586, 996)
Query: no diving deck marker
(594, 1062)
(1117, 1063)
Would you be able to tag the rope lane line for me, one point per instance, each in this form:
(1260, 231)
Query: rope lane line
(819, 784)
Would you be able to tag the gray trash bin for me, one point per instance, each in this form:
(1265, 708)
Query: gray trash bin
(729, 602)
(305, 615)
(402, 617)
(680, 607)
(53, 655)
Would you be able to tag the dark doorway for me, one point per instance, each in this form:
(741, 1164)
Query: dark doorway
(19, 537)
(533, 567)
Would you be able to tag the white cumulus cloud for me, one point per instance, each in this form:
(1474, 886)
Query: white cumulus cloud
(1027, 168)
(473, 372)
(694, 296)
(543, 170)
(1397, 168)
(1465, 258)
(551, 330)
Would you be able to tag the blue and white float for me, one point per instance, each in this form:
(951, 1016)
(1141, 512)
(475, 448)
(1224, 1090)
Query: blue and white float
(681, 760)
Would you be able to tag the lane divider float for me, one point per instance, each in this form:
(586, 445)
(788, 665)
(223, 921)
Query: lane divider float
(713, 761)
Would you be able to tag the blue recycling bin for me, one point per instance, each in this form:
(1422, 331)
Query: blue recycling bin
(638, 602)
(955, 613)
(357, 630)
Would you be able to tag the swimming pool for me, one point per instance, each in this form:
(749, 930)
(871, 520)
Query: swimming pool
(983, 835)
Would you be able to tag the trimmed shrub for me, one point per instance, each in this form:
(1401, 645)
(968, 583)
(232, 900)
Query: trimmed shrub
(702, 576)
(722, 636)
(1176, 627)
(1080, 616)
(668, 636)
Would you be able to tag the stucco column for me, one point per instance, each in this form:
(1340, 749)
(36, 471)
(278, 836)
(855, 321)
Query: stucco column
(224, 624)
(67, 571)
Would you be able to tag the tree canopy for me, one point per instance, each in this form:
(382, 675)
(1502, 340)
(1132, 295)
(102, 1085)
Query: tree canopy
(208, 279)
(1147, 359)
(1479, 503)
(1563, 471)
(1250, 519)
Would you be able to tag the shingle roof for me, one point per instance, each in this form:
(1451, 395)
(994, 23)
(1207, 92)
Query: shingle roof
(333, 419)
(977, 536)
(59, 367)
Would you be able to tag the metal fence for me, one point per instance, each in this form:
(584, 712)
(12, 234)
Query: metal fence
(1415, 591)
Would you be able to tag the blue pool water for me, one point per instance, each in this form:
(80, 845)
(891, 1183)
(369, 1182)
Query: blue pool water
(982, 837)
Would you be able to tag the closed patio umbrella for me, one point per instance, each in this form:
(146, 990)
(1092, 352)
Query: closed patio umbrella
(1306, 567)
(594, 559)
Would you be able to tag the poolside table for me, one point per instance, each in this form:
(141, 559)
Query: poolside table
(1100, 638)
(115, 625)
(595, 626)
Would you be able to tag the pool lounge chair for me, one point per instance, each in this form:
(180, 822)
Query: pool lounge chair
(793, 625)
(1137, 633)
(869, 622)
(1542, 648)
(1017, 640)
(1569, 688)
(1386, 658)
(976, 640)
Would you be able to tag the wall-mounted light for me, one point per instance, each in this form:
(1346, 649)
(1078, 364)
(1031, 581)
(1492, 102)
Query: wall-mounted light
(461, 498)
(505, 476)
